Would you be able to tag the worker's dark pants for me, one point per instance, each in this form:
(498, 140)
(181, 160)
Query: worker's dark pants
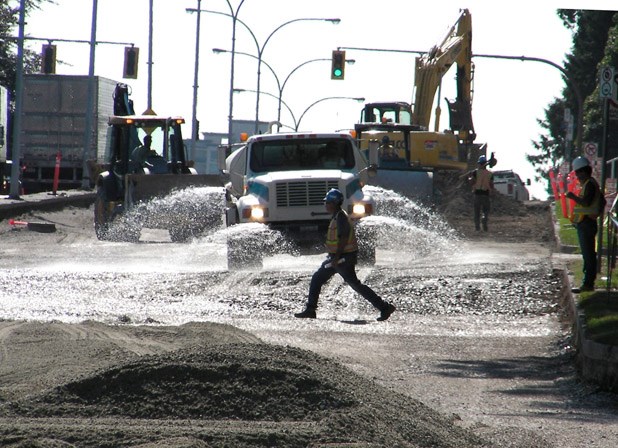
(587, 233)
(481, 206)
(347, 271)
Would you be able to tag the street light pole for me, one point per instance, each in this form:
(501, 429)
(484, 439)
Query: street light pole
(570, 82)
(281, 102)
(297, 122)
(280, 86)
(195, 81)
(90, 101)
(15, 168)
(260, 49)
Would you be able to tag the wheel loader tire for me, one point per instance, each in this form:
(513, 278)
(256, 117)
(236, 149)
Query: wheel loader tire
(101, 216)
(184, 234)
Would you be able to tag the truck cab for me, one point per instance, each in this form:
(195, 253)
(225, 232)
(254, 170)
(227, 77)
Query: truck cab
(280, 180)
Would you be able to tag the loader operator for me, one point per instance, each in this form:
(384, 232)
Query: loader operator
(342, 248)
(145, 157)
(482, 186)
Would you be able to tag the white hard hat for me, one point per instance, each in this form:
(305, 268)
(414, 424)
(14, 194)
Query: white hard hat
(580, 162)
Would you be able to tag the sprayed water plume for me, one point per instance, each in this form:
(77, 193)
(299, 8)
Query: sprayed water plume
(256, 237)
(185, 213)
(402, 224)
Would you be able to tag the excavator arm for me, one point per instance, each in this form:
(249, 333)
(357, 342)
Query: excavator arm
(430, 69)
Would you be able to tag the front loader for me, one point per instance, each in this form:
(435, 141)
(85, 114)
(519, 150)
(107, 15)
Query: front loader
(126, 185)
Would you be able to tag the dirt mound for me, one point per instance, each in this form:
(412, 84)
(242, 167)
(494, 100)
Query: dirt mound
(509, 220)
(253, 383)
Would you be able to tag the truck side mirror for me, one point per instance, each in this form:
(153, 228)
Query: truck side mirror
(222, 152)
(528, 182)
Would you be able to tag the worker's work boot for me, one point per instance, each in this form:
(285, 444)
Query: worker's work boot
(308, 313)
(386, 312)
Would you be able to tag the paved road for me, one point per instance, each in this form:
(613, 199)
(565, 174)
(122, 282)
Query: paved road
(477, 333)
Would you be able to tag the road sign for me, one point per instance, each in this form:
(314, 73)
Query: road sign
(590, 149)
(606, 82)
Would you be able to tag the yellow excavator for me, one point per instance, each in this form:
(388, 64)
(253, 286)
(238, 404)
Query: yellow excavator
(410, 155)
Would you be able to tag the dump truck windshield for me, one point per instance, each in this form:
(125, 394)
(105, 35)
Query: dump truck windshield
(305, 154)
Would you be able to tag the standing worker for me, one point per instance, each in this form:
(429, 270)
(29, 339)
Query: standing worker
(589, 205)
(342, 248)
(482, 181)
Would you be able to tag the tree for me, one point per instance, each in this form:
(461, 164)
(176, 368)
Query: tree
(595, 43)
(9, 17)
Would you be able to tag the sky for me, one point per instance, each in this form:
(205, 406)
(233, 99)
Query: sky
(509, 96)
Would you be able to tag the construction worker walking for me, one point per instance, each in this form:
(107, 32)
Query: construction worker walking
(342, 248)
(482, 186)
(589, 205)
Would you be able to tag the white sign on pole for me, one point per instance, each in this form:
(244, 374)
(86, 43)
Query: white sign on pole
(590, 150)
(606, 82)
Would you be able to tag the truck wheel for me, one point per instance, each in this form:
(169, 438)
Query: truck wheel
(126, 232)
(101, 216)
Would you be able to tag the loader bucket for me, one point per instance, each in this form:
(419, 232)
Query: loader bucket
(143, 187)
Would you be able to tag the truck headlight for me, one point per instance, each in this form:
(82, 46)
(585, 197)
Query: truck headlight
(255, 213)
(362, 209)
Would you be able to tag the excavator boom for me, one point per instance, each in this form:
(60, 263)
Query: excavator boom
(431, 68)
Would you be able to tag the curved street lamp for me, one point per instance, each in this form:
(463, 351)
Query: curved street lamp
(297, 122)
(280, 85)
(278, 98)
(234, 15)
(260, 49)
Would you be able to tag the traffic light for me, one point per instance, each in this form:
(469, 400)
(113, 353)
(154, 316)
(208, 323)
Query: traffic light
(48, 59)
(337, 70)
(131, 56)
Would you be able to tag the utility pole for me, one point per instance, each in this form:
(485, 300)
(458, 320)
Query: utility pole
(19, 94)
(90, 101)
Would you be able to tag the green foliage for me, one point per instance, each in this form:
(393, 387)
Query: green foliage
(595, 44)
(9, 18)
(567, 233)
(601, 314)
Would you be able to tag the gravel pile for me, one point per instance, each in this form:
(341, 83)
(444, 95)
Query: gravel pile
(316, 401)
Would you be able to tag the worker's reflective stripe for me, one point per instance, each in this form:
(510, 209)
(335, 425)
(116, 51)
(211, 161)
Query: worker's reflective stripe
(592, 211)
(332, 239)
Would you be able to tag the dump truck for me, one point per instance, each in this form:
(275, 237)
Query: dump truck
(411, 156)
(128, 183)
(280, 180)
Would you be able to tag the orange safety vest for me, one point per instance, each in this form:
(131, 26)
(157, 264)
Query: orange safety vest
(332, 238)
(593, 210)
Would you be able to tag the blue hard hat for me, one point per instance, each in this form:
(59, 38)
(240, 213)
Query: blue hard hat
(482, 160)
(334, 196)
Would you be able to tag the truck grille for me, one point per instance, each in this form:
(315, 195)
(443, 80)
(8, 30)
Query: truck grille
(303, 193)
